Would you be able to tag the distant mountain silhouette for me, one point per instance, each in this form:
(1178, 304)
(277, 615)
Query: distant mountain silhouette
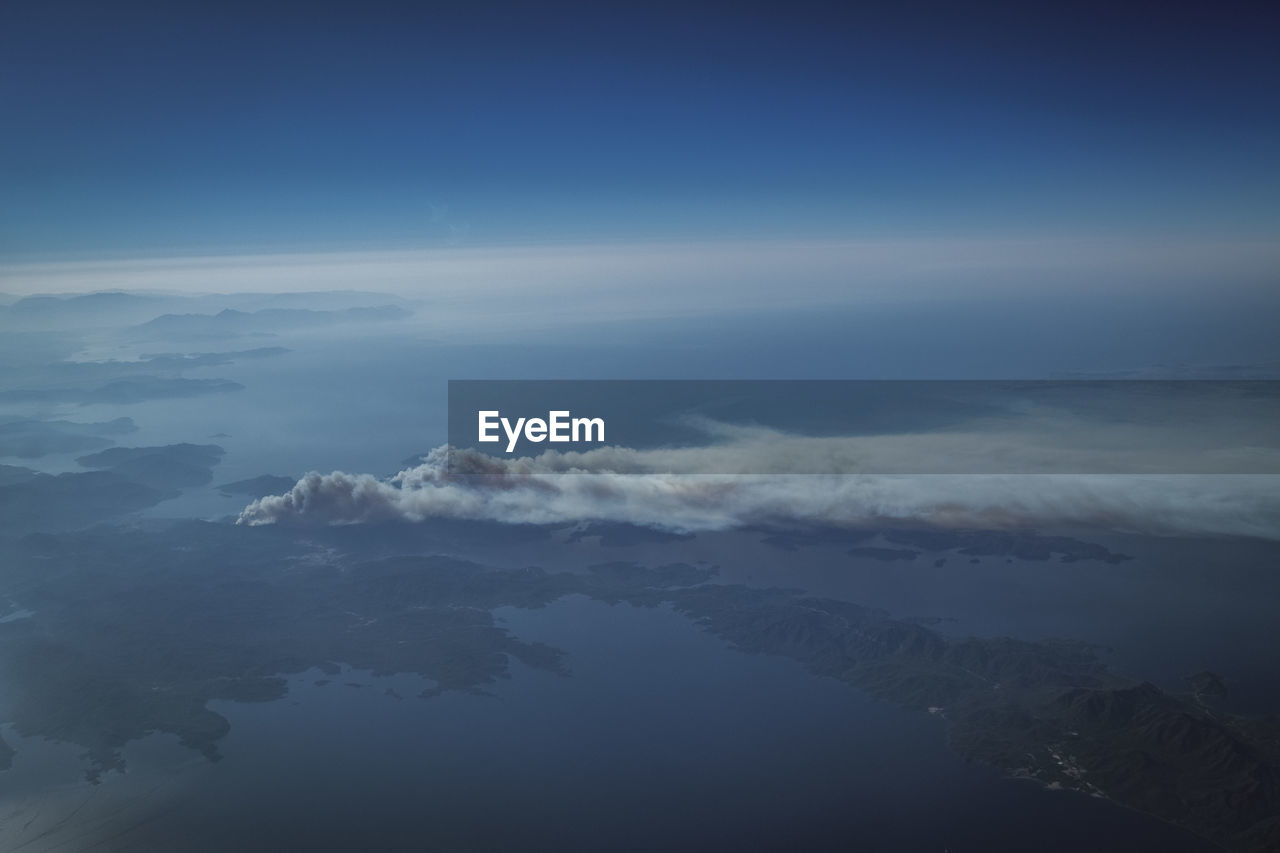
(265, 321)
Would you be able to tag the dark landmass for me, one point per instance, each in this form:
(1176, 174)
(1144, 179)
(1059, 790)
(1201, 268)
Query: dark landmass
(30, 500)
(1048, 711)
(261, 486)
(118, 457)
(137, 630)
(1207, 683)
(430, 536)
(116, 308)
(166, 468)
(85, 310)
(95, 302)
(229, 321)
(1023, 545)
(12, 474)
(1002, 543)
(886, 555)
(793, 540)
(1208, 687)
(131, 479)
(30, 439)
(618, 535)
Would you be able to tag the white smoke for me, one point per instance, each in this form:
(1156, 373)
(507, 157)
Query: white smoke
(636, 487)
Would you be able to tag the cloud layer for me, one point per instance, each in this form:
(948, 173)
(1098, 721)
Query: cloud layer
(486, 288)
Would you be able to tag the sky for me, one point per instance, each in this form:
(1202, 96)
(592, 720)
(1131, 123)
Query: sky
(138, 130)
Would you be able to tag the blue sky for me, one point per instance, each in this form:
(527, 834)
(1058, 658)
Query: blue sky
(136, 129)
